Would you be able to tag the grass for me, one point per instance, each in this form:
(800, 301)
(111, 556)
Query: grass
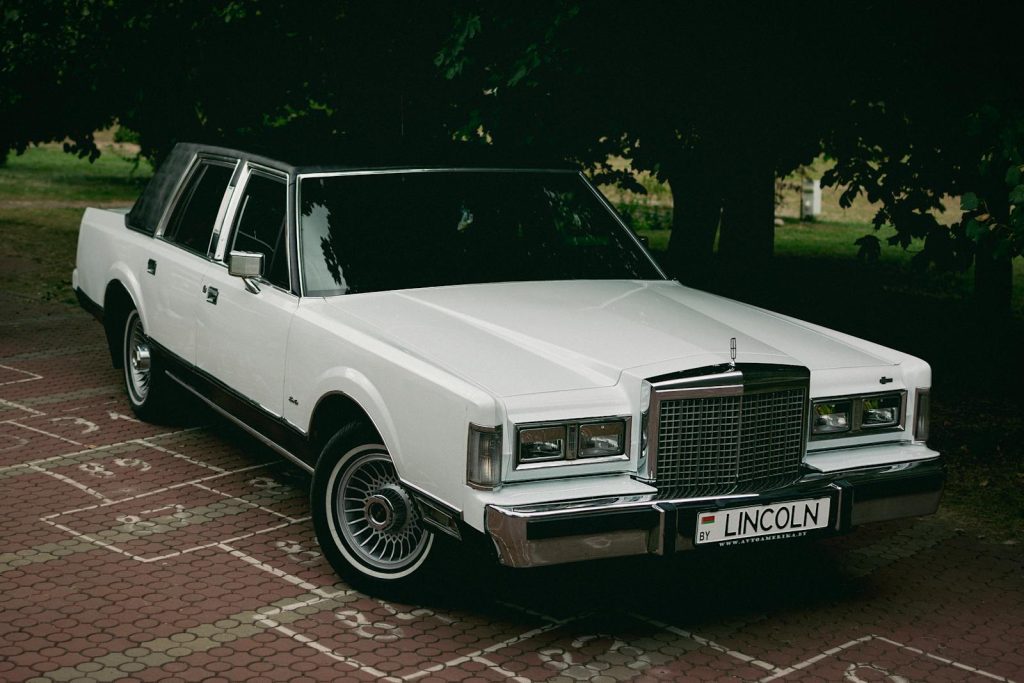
(978, 402)
(42, 195)
(47, 174)
(833, 242)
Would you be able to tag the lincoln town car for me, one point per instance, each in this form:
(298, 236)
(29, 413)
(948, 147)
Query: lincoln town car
(486, 352)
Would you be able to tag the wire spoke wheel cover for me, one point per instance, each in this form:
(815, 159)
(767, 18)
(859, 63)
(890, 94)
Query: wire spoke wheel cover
(137, 359)
(377, 521)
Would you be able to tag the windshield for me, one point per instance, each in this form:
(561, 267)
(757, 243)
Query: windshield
(383, 231)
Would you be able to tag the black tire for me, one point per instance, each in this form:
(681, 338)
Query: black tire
(378, 544)
(144, 379)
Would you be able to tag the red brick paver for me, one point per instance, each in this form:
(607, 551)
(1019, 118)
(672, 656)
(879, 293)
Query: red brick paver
(140, 552)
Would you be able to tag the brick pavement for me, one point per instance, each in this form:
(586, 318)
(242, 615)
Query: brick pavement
(136, 552)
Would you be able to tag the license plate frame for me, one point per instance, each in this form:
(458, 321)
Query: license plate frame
(760, 523)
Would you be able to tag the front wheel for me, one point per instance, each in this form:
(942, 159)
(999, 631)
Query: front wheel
(366, 521)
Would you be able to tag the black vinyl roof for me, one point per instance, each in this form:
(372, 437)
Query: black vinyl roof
(149, 208)
(331, 157)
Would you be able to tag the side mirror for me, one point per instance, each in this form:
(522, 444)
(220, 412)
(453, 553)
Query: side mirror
(245, 264)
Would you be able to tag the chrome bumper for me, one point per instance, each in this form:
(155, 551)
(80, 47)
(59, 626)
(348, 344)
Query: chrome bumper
(594, 528)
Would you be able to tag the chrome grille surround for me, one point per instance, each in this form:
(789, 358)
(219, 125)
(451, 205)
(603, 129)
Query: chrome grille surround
(727, 430)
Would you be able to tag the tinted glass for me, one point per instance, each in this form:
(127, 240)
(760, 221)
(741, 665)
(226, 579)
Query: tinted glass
(191, 224)
(149, 207)
(365, 233)
(261, 226)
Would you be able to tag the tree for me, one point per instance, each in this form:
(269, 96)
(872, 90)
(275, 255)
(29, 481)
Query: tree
(928, 117)
(718, 99)
(354, 75)
(690, 92)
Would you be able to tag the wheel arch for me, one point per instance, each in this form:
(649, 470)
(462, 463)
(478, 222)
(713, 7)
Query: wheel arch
(333, 411)
(117, 302)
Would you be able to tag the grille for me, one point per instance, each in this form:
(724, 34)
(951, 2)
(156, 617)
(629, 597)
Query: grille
(712, 446)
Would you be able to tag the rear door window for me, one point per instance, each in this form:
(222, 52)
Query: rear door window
(195, 215)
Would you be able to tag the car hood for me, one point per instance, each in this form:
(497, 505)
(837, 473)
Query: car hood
(534, 337)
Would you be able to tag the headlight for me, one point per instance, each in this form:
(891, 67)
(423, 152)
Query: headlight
(483, 457)
(832, 417)
(881, 411)
(541, 444)
(852, 414)
(569, 441)
(601, 439)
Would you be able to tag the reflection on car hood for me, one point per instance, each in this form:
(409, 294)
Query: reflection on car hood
(532, 337)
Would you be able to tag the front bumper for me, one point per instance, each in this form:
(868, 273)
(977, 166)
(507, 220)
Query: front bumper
(594, 528)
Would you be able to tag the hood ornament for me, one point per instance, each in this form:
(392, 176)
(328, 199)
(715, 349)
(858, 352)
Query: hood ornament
(732, 352)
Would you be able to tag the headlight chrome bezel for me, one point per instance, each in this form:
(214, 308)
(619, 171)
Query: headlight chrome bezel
(856, 424)
(573, 434)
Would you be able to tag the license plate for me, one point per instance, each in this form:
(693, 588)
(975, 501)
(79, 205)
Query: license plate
(764, 522)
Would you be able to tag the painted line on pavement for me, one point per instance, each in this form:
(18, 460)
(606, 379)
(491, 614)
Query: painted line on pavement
(847, 645)
(735, 654)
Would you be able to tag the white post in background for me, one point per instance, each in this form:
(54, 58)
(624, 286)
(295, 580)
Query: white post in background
(810, 199)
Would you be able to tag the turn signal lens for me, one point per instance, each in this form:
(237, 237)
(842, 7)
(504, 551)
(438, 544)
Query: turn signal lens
(483, 459)
(921, 417)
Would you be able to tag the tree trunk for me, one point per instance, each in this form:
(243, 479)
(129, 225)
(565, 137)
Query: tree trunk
(993, 282)
(747, 242)
(696, 211)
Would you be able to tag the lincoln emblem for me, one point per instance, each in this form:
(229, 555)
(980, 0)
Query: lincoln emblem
(732, 350)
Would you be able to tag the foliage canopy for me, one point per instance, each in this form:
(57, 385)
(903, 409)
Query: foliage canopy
(715, 98)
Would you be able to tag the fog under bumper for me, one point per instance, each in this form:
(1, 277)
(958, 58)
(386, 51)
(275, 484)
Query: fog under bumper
(596, 528)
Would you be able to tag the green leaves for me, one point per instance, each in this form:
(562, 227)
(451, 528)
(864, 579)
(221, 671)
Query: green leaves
(974, 229)
(969, 202)
(1013, 175)
(870, 248)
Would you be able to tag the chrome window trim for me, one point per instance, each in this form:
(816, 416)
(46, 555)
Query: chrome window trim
(438, 169)
(297, 213)
(618, 219)
(568, 461)
(453, 169)
(197, 159)
(250, 169)
(857, 428)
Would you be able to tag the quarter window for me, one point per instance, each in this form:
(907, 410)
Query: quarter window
(192, 222)
(261, 226)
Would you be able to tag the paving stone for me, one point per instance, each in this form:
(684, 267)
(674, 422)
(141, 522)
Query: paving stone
(137, 552)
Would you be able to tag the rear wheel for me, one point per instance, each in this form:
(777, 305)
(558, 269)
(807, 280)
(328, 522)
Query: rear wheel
(366, 520)
(144, 382)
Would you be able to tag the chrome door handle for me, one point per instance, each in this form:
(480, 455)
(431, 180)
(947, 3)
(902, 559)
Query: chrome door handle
(211, 295)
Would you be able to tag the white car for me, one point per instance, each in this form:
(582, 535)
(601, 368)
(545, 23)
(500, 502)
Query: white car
(489, 353)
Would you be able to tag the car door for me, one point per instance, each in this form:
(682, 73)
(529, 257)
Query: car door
(242, 334)
(171, 279)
